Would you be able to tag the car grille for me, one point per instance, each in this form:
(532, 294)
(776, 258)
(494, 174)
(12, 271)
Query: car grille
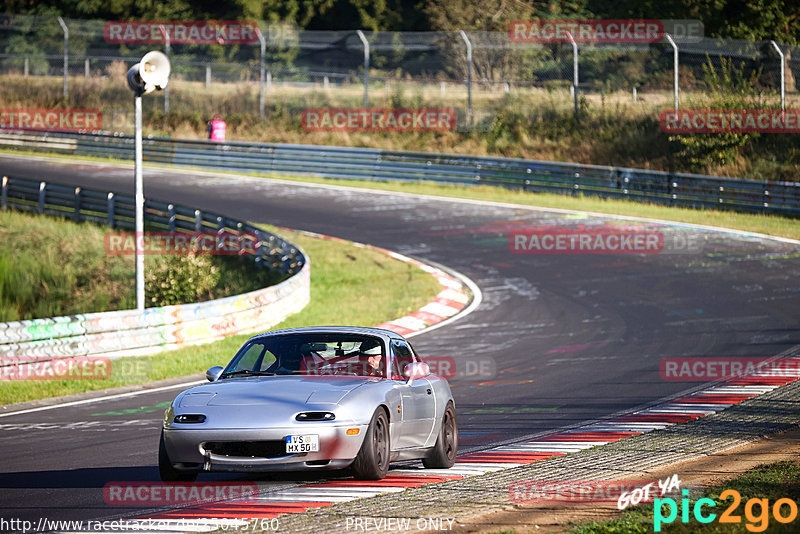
(247, 449)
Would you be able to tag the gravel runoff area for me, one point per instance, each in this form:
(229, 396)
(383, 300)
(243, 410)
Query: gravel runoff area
(740, 424)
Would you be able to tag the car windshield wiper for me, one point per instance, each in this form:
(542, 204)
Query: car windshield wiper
(242, 372)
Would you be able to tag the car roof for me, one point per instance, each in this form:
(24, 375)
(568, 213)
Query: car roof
(331, 330)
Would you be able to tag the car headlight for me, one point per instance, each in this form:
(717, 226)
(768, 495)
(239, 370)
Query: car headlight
(315, 416)
(190, 418)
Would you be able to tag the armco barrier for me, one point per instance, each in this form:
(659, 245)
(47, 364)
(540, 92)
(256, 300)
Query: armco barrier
(129, 332)
(677, 189)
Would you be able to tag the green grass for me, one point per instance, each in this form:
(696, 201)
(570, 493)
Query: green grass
(51, 267)
(349, 286)
(770, 481)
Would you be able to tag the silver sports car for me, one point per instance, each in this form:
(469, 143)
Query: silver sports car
(312, 398)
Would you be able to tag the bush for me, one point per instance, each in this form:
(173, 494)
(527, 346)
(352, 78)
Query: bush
(180, 279)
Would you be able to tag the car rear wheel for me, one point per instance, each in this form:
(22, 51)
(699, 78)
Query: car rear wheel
(372, 461)
(167, 471)
(443, 454)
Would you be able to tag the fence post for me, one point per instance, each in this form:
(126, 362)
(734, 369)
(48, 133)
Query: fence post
(675, 66)
(4, 194)
(263, 44)
(574, 72)
(783, 74)
(366, 66)
(66, 53)
(208, 75)
(110, 208)
(25, 68)
(76, 217)
(469, 73)
(86, 68)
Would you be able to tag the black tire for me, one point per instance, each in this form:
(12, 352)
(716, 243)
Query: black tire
(165, 469)
(372, 461)
(443, 454)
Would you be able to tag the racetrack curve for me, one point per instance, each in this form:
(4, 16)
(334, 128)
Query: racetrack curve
(574, 337)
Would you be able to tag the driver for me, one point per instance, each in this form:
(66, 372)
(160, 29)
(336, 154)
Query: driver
(374, 363)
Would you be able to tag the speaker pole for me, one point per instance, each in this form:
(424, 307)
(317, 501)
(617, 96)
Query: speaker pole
(139, 192)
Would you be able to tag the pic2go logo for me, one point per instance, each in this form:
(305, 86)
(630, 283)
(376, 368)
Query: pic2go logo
(756, 523)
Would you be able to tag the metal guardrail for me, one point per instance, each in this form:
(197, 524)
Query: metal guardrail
(130, 332)
(674, 189)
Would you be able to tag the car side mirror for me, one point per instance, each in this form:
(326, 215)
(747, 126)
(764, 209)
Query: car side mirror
(413, 371)
(213, 373)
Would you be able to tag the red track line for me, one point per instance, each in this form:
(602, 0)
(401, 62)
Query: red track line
(657, 418)
(711, 398)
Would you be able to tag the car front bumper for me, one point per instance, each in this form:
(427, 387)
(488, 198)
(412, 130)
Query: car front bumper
(188, 448)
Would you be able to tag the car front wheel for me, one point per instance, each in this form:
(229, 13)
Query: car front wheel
(372, 461)
(165, 469)
(443, 454)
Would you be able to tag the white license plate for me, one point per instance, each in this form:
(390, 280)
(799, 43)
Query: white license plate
(302, 443)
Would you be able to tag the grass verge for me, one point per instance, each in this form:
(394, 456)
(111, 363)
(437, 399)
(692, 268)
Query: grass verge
(349, 286)
(766, 484)
(51, 267)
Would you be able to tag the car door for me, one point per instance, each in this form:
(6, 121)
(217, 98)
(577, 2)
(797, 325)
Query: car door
(418, 402)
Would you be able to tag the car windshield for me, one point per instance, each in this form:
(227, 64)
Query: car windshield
(310, 354)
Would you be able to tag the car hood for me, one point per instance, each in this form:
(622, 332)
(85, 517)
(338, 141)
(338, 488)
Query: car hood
(244, 391)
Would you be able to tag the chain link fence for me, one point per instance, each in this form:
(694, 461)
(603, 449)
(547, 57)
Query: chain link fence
(471, 71)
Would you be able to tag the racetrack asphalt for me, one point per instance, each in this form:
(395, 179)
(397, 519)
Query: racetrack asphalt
(570, 337)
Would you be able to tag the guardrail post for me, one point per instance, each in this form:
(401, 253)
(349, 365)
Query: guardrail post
(766, 198)
(366, 66)
(674, 67)
(110, 208)
(42, 193)
(4, 194)
(66, 53)
(259, 261)
(198, 221)
(76, 216)
(171, 220)
(783, 74)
